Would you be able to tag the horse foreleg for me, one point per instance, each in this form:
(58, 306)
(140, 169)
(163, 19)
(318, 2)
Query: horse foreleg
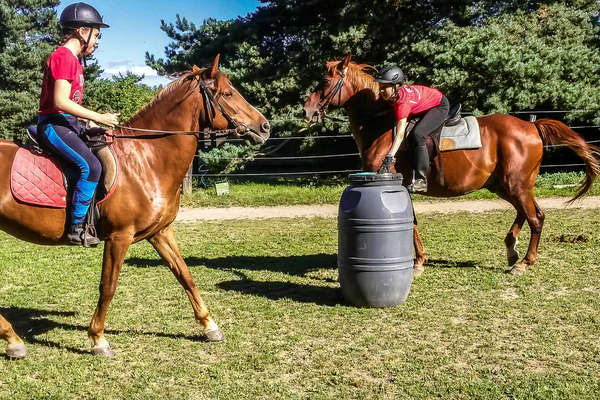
(511, 240)
(420, 255)
(16, 347)
(165, 244)
(115, 249)
(535, 219)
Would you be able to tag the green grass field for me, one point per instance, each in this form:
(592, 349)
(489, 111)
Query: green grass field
(467, 330)
(329, 192)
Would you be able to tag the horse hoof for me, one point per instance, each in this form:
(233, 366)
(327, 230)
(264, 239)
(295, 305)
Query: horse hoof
(213, 336)
(16, 350)
(105, 351)
(517, 269)
(513, 259)
(418, 271)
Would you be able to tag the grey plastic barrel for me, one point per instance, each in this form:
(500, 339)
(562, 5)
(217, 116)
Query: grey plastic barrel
(375, 240)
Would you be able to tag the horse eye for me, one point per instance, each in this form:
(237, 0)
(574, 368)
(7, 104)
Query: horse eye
(228, 94)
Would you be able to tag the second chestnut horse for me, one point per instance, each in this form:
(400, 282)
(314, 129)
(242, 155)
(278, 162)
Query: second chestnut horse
(507, 163)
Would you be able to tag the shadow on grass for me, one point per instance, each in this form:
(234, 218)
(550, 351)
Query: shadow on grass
(291, 265)
(29, 323)
(439, 263)
(32, 324)
(274, 290)
(319, 295)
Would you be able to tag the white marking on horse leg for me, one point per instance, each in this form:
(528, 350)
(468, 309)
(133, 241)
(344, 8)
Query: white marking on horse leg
(512, 254)
(102, 348)
(210, 325)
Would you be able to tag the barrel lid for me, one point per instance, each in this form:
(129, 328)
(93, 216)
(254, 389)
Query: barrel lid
(373, 177)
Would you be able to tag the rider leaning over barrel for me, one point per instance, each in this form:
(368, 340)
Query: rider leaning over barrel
(60, 105)
(408, 101)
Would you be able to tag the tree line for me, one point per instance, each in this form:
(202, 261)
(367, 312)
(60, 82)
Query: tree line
(491, 55)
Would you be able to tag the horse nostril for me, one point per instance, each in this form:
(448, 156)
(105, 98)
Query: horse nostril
(265, 127)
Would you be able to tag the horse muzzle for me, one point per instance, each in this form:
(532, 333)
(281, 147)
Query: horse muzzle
(312, 116)
(255, 134)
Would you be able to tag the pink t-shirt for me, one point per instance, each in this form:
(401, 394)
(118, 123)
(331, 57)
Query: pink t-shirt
(415, 99)
(61, 64)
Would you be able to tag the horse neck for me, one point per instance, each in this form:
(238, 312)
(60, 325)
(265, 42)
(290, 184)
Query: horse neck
(363, 108)
(170, 155)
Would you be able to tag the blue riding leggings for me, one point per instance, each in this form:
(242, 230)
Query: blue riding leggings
(60, 133)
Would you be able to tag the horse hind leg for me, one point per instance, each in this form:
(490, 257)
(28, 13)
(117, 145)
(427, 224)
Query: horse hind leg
(16, 348)
(165, 244)
(535, 219)
(512, 239)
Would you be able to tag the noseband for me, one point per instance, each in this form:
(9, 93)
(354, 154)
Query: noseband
(336, 90)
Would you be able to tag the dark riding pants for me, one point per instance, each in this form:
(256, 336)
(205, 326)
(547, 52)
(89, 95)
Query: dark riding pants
(431, 120)
(60, 133)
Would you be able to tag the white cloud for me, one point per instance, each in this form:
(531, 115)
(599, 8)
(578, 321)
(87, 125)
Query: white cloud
(137, 70)
(151, 77)
(156, 81)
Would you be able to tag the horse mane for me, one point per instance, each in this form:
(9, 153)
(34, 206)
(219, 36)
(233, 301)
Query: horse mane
(358, 75)
(172, 87)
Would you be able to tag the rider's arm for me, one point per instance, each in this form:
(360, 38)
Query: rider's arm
(62, 101)
(400, 132)
(389, 160)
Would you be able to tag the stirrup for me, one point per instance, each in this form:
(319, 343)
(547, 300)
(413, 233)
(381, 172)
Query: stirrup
(79, 237)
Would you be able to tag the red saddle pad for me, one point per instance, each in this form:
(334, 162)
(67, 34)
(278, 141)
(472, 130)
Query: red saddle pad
(37, 179)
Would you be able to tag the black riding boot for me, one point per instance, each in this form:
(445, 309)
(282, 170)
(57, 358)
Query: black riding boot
(77, 236)
(421, 167)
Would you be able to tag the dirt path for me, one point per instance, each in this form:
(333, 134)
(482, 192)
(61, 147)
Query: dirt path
(421, 207)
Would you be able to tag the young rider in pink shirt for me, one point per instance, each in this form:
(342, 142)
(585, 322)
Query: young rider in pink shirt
(408, 101)
(60, 105)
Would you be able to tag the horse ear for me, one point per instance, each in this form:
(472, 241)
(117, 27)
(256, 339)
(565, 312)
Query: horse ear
(346, 61)
(215, 66)
(195, 69)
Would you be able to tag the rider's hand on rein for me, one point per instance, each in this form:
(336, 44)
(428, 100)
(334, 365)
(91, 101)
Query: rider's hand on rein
(386, 165)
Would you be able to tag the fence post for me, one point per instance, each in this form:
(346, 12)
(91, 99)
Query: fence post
(187, 180)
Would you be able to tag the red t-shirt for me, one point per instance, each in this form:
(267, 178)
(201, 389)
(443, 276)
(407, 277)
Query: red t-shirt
(61, 64)
(415, 99)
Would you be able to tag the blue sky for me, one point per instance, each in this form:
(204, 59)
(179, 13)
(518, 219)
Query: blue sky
(135, 28)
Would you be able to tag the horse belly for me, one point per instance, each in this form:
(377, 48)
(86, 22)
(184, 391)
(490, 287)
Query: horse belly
(463, 171)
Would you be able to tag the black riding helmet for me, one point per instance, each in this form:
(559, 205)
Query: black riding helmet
(81, 14)
(390, 74)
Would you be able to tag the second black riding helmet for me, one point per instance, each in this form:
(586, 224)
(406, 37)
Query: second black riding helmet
(390, 74)
(81, 14)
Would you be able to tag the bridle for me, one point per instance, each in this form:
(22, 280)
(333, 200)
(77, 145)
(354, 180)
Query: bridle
(238, 129)
(336, 90)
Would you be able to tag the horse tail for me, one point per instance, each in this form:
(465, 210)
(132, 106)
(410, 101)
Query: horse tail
(555, 132)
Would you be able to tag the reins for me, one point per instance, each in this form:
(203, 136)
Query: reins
(152, 133)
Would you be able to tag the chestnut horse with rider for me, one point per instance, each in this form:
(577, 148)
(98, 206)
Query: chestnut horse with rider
(507, 163)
